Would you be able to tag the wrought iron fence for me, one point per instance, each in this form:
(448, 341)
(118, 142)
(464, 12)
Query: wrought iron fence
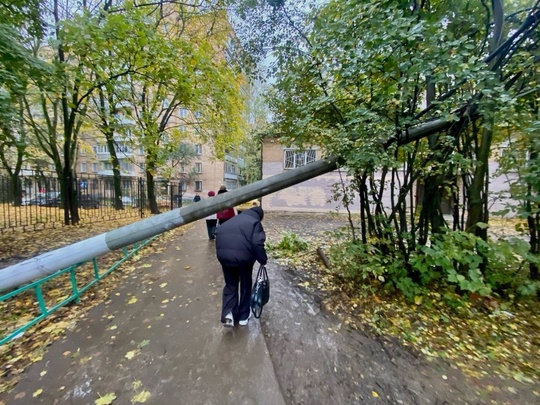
(40, 200)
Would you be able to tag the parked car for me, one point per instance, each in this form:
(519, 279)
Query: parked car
(185, 199)
(247, 205)
(88, 201)
(32, 201)
(50, 199)
(128, 201)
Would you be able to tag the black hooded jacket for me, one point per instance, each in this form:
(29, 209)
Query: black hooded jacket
(240, 240)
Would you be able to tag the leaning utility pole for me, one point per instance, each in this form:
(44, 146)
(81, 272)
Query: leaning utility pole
(50, 262)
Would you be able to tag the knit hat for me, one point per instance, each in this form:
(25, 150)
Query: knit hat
(211, 194)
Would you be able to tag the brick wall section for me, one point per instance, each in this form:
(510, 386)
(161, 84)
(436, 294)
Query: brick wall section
(314, 195)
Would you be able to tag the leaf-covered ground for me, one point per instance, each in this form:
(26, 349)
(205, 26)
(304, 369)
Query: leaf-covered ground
(30, 347)
(498, 348)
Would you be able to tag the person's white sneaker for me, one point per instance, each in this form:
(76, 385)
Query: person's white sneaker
(245, 321)
(229, 320)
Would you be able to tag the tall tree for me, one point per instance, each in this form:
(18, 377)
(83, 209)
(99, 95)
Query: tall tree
(189, 72)
(18, 69)
(355, 73)
(112, 46)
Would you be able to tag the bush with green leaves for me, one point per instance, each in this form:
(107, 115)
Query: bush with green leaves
(474, 265)
(290, 243)
(369, 269)
(459, 260)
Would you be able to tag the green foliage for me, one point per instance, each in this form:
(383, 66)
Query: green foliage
(289, 244)
(455, 261)
(473, 265)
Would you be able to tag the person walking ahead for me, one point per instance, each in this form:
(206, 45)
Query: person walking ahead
(239, 243)
(211, 221)
(226, 214)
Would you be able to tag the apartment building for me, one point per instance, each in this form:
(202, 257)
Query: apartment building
(203, 172)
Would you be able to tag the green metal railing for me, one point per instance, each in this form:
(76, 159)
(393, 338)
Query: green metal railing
(76, 291)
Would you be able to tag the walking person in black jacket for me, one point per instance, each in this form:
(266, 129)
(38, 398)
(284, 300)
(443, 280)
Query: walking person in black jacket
(239, 243)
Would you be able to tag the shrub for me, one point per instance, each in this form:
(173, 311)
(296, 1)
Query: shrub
(462, 259)
(289, 243)
(458, 261)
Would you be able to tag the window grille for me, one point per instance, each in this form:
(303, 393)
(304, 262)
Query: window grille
(294, 158)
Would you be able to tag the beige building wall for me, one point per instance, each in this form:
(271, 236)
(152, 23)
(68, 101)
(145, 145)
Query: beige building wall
(314, 195)
(212, 172)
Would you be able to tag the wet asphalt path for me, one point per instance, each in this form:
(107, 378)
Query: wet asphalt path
(158, 340)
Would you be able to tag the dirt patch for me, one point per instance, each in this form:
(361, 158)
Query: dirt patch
(320, 352)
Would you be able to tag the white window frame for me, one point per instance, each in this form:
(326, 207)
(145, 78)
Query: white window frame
(198, 149)
(198, 185)
(198, 167)
(294, 158)
(84, 167)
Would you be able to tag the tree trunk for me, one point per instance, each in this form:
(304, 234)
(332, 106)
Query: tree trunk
(150, 188)
(476, 207)
(117, 176)
(108, 132)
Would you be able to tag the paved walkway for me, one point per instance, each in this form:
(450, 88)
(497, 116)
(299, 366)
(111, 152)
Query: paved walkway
(158, 340)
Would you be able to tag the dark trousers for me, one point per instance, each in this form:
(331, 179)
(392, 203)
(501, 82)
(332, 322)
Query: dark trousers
(233, 302)
(211, 228)
(223, 220)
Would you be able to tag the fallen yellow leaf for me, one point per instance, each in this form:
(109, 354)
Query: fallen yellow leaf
(106, 399)
(374, 394)
(131, 354)
(141, 397)
(37, 393)
(163, 285)
(132, 300)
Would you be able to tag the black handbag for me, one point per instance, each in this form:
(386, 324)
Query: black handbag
(260, 293)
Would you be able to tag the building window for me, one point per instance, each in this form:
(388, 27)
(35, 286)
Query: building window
(198, 185)
(230, 168)
(100, 149)
(182, 128)
(182, 113)
(198, 167)
(295, 158)
(95, 167)
(183, 186)
(83, 168)
(198, 149)
(122, 147)
(125, 166)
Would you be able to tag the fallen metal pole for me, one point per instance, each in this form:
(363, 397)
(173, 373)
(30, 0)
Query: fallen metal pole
(47, 263)
(50, 262)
